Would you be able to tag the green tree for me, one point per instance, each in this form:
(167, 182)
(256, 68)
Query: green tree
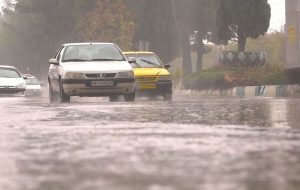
(240, 19)
(109, 21)
(158, 26)
(34, 30)
(194, 17)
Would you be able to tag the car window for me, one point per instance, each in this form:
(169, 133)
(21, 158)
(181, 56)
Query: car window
(94, 52)
(145, 61)
(58, 52)
(9, 73)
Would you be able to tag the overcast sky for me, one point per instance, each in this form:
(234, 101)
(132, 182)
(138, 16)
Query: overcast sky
(278, 14)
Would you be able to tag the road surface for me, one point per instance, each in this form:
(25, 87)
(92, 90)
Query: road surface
(189, 144)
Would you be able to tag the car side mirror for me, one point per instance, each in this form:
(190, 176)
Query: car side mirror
(132, 60)
(167, 66)
(53, 62)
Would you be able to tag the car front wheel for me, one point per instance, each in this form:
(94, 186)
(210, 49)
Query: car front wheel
(168, 97)
(130, 97)
(52, 95)
(113, 98)
(63, 98)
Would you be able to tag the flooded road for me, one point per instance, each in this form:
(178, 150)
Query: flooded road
(188, 144)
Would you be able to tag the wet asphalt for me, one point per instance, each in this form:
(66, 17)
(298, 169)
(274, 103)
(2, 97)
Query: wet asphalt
(190, 143)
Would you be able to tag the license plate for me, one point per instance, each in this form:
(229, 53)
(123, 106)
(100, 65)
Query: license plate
(147, 86)
(101, 83)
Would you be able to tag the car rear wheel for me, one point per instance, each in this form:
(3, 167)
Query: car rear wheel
(63, 98)
(130, 97)
(52, 95)
(153, 97)
(114, 98)
(168, 97)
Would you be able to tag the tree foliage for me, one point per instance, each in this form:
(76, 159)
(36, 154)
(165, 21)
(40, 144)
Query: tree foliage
(109, 21)
(194, 15)
(158, 26)
(34, 29)
(240, 19)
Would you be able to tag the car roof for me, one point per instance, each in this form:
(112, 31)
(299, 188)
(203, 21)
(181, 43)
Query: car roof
(8, 67)
(88, 43)
(139, 52)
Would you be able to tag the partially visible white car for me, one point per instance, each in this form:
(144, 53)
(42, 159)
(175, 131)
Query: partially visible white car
(90, 70)
(33, 86)
(11, 81)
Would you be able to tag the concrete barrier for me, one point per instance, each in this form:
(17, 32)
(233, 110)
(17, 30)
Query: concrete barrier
(293, 91)
(250, 91)
(239, 91)
(254, 91)
(270, 91)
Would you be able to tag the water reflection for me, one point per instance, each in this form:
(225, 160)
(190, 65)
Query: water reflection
(198, 143)
(248, 112)
(293, 115)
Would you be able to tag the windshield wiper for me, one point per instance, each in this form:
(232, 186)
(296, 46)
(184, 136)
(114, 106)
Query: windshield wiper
(107, 60)
(137, 65)
(150, 63)
(74, 60)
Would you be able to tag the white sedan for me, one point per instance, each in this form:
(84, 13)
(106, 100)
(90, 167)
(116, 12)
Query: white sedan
(11, 81)
(33, 86)
(89, 70)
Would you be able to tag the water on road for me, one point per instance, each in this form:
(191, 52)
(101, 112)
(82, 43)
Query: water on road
(188, 144)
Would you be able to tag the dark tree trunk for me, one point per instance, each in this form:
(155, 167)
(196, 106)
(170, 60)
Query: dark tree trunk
(241, 40)
(200, 52)
(186, 57)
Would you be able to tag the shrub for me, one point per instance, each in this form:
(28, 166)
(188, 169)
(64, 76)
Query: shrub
(223, 77)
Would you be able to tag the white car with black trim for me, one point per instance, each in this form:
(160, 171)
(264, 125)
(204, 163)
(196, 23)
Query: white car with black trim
(11, 81)
(90, 70)
(33, 86)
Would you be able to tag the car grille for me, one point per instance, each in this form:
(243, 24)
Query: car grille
(7, 87)
(101, 75)
(146, 79)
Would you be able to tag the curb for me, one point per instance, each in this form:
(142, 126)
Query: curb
(277, 91)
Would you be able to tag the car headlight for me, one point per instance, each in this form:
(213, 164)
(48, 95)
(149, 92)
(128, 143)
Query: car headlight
(70, 75)
(128, 74)
(165, 78)
(21, 85)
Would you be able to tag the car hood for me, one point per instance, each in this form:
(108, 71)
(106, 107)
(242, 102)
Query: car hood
(92, 67)
(11, 81)
(150, 71)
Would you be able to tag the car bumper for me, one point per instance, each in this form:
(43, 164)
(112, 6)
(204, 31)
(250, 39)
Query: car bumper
(83, 88)
(5, 90)
(160, 88)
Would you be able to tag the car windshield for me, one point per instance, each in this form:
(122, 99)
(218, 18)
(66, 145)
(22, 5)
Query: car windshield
(32, 81)
(93, 52)
(145, 61)
(9, 73)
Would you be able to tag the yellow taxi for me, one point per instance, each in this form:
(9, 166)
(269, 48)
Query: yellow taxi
(153, 78)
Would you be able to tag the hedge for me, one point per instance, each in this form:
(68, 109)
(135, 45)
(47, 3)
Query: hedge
(224, 77)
